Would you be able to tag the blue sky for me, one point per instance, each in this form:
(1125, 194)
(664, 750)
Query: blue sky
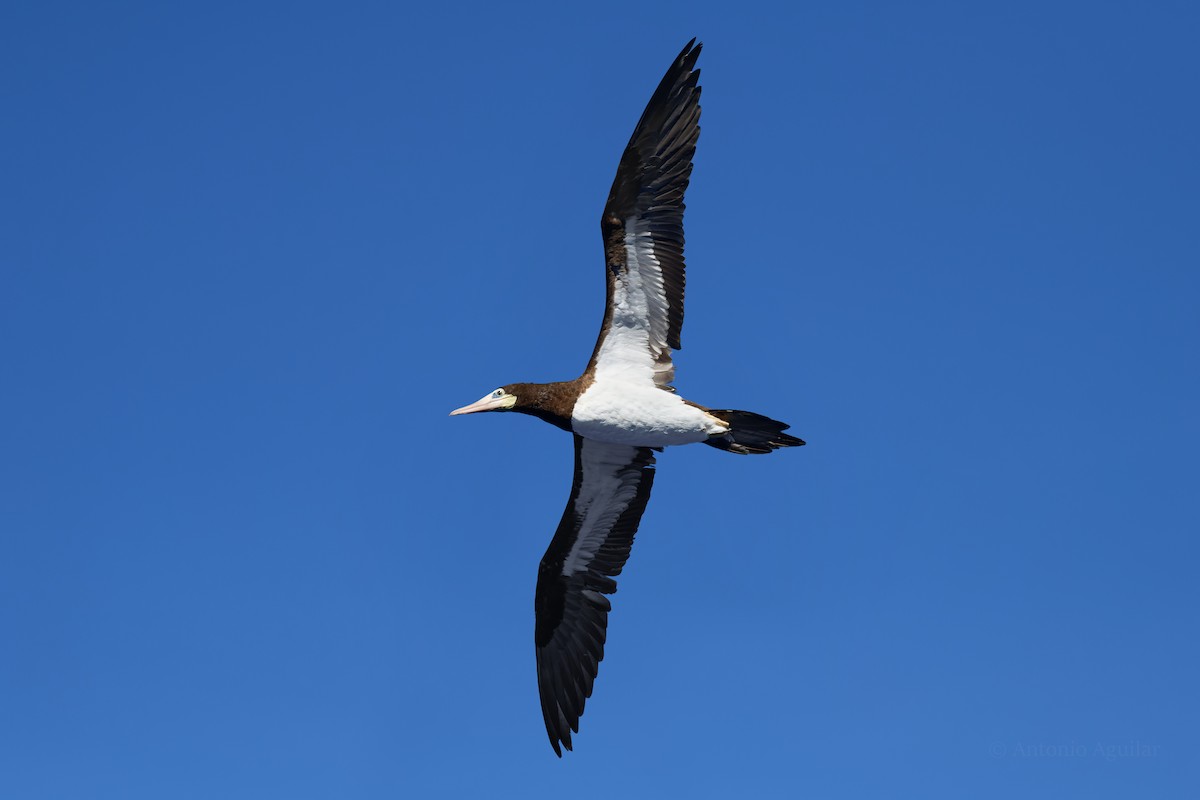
(253, 254)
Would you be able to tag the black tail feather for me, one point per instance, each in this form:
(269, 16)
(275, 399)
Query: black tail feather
(750, 433)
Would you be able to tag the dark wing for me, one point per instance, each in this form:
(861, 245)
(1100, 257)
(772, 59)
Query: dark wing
(590, 547)
(642, 226)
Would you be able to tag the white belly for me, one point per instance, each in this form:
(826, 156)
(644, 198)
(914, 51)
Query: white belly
(639, 414)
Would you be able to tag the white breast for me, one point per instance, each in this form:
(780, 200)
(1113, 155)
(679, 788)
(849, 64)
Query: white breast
(639, 413)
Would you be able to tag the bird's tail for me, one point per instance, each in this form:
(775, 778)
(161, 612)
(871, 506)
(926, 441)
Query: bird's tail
(750, 433)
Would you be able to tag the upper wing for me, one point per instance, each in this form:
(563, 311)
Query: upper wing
(643, 231)
(590, 547)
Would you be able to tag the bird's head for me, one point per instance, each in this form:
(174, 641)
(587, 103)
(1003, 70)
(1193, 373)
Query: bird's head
(502, 399)
(551, 402)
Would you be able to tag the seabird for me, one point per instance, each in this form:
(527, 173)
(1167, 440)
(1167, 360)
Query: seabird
(623, 408)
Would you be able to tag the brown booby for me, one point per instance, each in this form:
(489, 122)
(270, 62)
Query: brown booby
(623, 407)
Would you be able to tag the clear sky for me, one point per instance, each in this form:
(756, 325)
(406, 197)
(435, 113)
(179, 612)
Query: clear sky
(253, 254)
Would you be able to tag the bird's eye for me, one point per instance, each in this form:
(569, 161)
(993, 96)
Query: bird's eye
(498, 393)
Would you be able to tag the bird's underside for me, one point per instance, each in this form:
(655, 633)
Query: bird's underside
(623, 407)
(640, 414)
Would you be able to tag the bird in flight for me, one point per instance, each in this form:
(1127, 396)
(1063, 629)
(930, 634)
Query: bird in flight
(623, 408)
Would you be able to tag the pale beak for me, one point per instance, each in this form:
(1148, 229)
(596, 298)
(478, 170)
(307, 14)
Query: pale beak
(485, 403)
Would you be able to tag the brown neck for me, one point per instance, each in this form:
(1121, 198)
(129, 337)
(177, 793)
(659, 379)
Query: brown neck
(552, 402)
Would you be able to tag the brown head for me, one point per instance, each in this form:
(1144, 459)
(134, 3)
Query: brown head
(552, 402)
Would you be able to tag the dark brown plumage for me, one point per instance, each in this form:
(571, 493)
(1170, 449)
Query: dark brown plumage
(552, 402)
